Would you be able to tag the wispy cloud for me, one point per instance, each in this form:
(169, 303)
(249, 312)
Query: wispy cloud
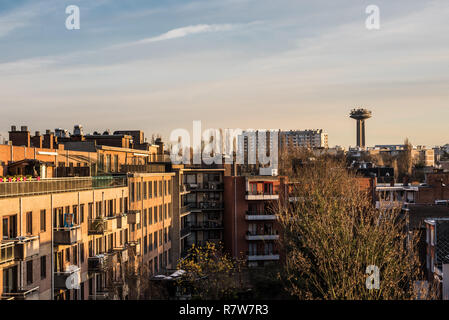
(184, 32)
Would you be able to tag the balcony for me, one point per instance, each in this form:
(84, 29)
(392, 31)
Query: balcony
(261, 196)
(6, 252)
(262, 236)
(134, 248)
(122, 221)
(58, 185)
(185, 231)
(134, 217)
(206, 187)
(206, 205)
(183, 189)
(97, 263)
(205, 225)
(259, 215)
(67, 279)
(262, 256)
(99, 295)
(67, 235)
(26, 247)
(22, 294)
(187, 208)
(122, 254)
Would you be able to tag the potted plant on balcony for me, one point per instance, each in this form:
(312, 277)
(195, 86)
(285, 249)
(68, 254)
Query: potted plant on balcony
(98, 224)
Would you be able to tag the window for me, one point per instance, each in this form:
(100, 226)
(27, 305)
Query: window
(150, 216)
(9, 225)
(145, 190)
(165, 235)
(145, 245)
(160, 213)
(116, 163)
(67, 254)
(131, 191)
(75, 254)
(160, 237)
(43, 221)
(155, 188)
(160, 188)
(150, 190)
(75, 215)
(155, 214)
(139, 191)
(43, 267)
(165, 211)
(150, 240)
(81, 213)
(30, 272)
(165, 187)
(145, 217)
(29, 222)
(82, 252)
(155, 241)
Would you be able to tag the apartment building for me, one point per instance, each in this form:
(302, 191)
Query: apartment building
(437, 258)
(48, 156)
(252, 232)
(150, 219)
(181, 212)
(59, 229)
(96, 229)
(304, 138)
(205, 202)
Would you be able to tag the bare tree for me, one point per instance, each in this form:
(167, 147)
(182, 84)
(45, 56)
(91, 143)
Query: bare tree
(333, 233)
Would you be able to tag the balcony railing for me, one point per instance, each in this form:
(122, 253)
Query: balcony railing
(61, 277)
(58, 185)
(260, 215)
(186, 208)
(122, 254)
(99, 295)
(250, 195)
(205, 225)
(206, 205)
(134, 217)
(97, 263)
(6, 252)
(26, 247)
(206, 186)
(67, 235)
(262, 256)
(185, 231)
(22, 294)
(183, 188)
(262, 235)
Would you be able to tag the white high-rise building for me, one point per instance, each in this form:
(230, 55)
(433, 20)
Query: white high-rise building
(304, 138)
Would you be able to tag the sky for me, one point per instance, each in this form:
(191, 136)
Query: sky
(285, 64)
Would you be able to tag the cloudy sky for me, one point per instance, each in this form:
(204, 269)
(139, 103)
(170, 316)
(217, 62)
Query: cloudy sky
(289, 64)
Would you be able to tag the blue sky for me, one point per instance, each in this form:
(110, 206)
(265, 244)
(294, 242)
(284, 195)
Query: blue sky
(289, 64)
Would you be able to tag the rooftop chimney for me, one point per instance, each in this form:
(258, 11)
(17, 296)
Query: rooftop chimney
(20, 138)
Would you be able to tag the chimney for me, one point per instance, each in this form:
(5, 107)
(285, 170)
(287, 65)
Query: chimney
(49, 140)
(20, 138)
(37, 140)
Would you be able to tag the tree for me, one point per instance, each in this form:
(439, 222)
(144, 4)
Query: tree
(333, 233)
(210, 273)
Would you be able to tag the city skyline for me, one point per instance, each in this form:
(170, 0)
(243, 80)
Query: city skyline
(159, 65)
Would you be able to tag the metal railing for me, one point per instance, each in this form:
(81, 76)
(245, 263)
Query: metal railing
(6, 252)
(185, 231)
(58, 185)
(205, 225)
